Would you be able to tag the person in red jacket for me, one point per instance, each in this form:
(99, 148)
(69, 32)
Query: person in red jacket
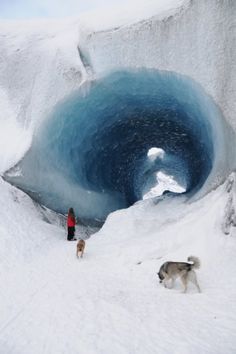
(71, 225)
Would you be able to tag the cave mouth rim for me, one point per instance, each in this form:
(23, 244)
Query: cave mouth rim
(168, 76)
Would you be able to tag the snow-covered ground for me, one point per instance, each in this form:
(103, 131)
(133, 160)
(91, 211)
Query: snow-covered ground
(111, 300)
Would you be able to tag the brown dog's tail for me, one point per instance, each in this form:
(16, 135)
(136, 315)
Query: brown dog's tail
(196, 262)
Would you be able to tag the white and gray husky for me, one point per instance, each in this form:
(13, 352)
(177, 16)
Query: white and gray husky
(183, 270)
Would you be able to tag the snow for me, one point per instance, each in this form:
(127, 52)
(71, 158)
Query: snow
(164, 182)
(111, 301)
(154, 152)
(124, 15)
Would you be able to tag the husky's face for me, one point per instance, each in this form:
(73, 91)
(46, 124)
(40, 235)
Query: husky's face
(160, 275)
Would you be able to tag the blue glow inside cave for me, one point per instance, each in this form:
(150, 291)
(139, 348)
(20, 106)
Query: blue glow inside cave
(91, 153)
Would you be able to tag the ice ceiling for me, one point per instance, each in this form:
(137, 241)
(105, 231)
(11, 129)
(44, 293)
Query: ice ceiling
(92, 152)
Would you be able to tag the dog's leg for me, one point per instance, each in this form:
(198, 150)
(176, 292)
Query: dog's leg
(193, 279)
(166, 278)
(172, 283)
(198, 287)
(184, 279)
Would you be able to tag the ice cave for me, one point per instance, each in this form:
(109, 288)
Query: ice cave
(129, 117)
(92, 151)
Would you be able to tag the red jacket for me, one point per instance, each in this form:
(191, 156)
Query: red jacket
(70, 221)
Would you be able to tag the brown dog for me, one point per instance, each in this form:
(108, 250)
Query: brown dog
(80, 248)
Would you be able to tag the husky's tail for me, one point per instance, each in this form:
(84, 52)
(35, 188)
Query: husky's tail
(196, 262)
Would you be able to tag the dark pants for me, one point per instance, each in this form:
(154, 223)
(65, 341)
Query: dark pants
(71, 233)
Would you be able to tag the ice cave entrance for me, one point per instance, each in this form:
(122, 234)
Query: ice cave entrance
(95, 150)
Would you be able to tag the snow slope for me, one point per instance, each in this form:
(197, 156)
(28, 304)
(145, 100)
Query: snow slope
(111, 301)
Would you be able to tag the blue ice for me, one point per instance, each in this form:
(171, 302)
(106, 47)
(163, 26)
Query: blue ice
(91, 152)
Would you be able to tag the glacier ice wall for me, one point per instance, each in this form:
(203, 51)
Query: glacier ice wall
(39, 66)
(198, 40)
(45, 70)
(92, 151)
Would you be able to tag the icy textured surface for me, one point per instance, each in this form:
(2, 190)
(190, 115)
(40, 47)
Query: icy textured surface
(92, 152)
(197, 39)
(43, 65)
